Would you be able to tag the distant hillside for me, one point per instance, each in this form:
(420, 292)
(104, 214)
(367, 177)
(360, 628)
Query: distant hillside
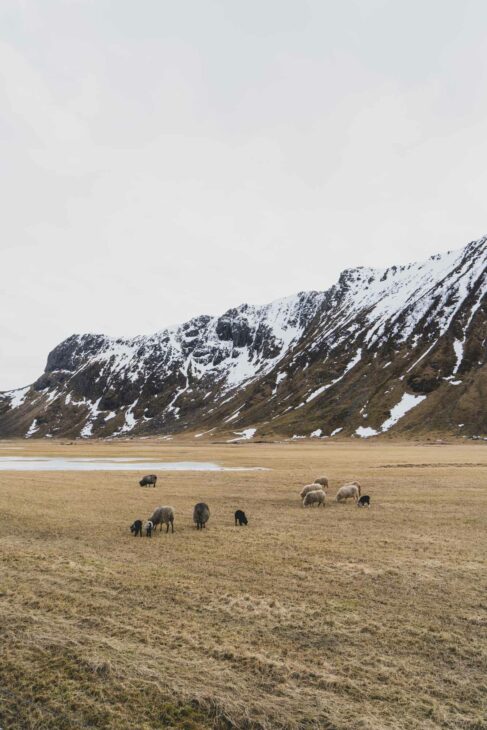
(394, 351)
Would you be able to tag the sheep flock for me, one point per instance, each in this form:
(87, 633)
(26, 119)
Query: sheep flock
(311, 495)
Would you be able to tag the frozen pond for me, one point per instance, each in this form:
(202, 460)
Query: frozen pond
(41, 463)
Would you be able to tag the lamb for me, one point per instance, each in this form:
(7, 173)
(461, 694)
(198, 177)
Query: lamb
(163, 516)
(149, 526)
(136, 528)
(309, 488)
(323, 481)
(148, 481)
(364, 501)
(347, 491)
(201, 515)
(316, 497)
(241, 518)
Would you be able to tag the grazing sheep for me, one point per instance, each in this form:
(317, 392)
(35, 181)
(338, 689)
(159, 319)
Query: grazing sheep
(316, 497)
(136, 528)
(309, 488)
(364, 501)
(201, 515)
(148, 481)
(323, 481)
(163, 516)
(347, 491)
(148, 528)
(241, 518)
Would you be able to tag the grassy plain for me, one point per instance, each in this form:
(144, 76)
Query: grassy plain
(337, 618)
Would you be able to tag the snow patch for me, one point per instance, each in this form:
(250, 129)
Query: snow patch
(34, 426)
(458, 347)
(199, 435)
(366, 432)
(17, 397)
(316, 393)
(244, 435)
(407, 403)
(87, 430)
(279, 378)
(130, 420)
(357, 357)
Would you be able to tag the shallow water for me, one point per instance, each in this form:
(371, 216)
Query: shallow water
(41, 463)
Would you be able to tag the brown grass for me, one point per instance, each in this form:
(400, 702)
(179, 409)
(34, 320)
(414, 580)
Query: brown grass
(339, 618)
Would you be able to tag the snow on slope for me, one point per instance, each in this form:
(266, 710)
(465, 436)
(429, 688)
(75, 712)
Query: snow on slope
(210, 346)
(17, 397)
(224, 353)
(407, 402)
(399, 297)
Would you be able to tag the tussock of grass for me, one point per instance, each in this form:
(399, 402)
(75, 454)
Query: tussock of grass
(339, 618)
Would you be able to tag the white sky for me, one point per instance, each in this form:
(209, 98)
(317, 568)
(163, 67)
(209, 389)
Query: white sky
(162, 159)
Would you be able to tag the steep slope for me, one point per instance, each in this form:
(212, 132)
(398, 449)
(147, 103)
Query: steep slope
(399, 350)
(99, 385)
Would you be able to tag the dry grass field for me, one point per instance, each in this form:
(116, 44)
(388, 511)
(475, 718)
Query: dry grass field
(337, 618)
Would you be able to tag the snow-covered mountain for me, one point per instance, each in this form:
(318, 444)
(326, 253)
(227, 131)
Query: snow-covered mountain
(399, 350)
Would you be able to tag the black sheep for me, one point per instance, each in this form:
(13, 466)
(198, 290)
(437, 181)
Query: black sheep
(240, 518)
(201, 515)
(364, 501)
(136, 528)
(148, 481)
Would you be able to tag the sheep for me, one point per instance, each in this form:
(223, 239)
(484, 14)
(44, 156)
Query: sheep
(241, 518)
(323, 481)
(348, 490)
(316, 497)
(148, 481)
(149, 526)
(201, 515)
(136, 528)
(309, 488)
(364, 501)
(163, 516)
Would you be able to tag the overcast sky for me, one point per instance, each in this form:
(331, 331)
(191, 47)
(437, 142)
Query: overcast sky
(163, 159)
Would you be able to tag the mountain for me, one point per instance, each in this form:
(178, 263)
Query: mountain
(397, 351)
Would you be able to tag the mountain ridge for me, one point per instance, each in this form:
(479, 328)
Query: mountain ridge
(313, 362)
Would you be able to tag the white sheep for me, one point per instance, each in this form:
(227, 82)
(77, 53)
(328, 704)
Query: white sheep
(309, 488)
(347, 491)
(315, 497)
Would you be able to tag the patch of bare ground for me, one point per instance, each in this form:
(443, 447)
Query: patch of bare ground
(338, 618)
